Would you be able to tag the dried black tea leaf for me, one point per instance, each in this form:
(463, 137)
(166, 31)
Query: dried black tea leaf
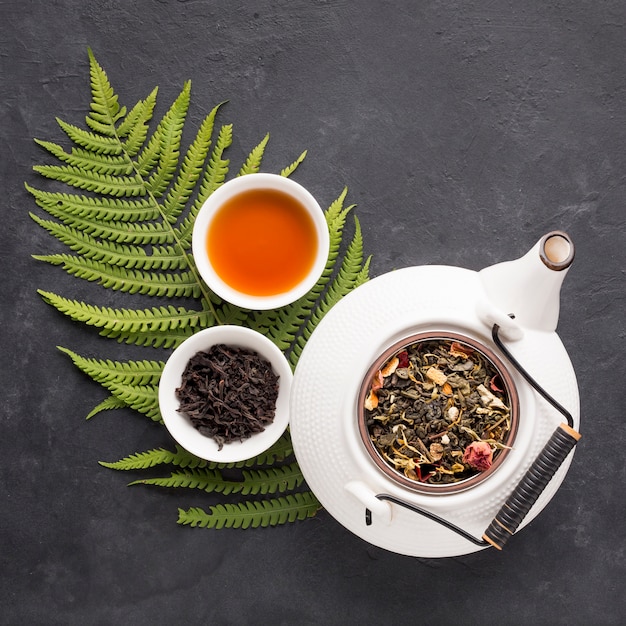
(437, 412)
(228, 393)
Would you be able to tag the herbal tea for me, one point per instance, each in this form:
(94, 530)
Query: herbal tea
(437, 412)
(262, 242)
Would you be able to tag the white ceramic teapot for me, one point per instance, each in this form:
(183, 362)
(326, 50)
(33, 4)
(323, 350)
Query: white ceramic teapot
(510, 310)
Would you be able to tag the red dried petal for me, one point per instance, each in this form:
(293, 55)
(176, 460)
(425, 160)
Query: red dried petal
(496, 384)
(458, 349)
(403, 358)
(478, 455)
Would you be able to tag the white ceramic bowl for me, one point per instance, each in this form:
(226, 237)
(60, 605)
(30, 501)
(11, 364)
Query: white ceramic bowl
(225, 193)
(181, 428)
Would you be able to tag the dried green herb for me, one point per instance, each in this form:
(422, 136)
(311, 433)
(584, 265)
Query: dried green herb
(437, 412)
(228, 393)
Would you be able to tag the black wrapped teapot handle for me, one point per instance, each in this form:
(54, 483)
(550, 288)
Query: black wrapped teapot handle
(528, 490)
(539, 474)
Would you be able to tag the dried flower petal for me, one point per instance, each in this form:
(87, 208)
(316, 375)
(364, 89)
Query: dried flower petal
(377, 381)
(496, 384)
(371, 402)
(390, 367)
(478, 455)
(403, 358)
(488, 399)
(436, 451)
(436, 375)
(458, 349)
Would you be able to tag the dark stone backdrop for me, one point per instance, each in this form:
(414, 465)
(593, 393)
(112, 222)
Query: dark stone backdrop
(463, 131)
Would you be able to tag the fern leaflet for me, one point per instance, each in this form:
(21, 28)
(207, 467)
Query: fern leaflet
(144, 460)
(247, 514)
(108, 404)
(263, 481)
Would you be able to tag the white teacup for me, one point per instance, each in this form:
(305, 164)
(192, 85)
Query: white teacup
(260, 241)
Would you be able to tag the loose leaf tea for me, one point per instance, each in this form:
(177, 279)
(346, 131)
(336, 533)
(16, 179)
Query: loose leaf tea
(228, 393)
(437, 412)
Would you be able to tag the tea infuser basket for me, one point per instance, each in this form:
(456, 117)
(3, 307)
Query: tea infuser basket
(368, 420)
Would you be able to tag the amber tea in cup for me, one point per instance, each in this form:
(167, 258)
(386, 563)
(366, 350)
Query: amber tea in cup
(260, 241)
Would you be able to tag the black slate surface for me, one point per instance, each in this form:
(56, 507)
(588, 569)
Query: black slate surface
(463, 131)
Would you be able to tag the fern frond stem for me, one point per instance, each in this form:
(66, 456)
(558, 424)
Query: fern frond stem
(206, 296)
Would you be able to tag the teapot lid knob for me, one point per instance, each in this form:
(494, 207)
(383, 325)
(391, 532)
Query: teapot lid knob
(556, 250)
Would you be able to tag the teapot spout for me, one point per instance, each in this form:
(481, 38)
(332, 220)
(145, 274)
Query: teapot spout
(527, 289)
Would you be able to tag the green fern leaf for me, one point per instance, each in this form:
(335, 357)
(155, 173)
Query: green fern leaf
(217, 168)
(209, 480)
(108, 404)
(290, 169)
(135, 382)
(81, 159)
(352, 273)
(138, 233)
(142, 398)
(105, 109)
(67, 206)
(134, 127)
(96, 142)
(142, 327)
(137, 117)
(180, 285)
(92, 180)
(248, 514)
(170, 132)
(214, 176)
(132, 257)
(281, 450)
(253, 162)
(258, 481)
(272, 480)
(349, 271)
(155, 339)
(190, 170)
(159, 456)
(124, 213)
(135, 373)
